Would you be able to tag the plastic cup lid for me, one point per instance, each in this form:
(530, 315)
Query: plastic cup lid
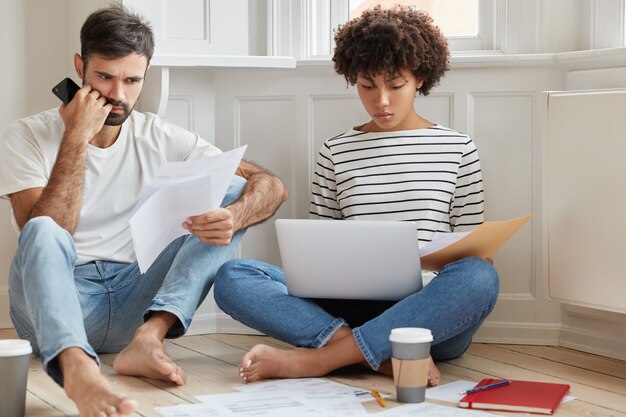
(410, 335)
(15, 347)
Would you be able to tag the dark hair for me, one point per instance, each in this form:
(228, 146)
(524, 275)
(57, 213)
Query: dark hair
(383, 41)
(115, 32)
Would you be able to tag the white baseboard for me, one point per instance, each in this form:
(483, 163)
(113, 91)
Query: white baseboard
(546, 334)
(605, 344)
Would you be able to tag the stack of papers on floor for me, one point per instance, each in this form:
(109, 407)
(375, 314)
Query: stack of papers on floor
(303, 397)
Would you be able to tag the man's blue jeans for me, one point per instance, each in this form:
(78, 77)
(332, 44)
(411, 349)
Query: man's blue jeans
(453, 306)
(99, 305)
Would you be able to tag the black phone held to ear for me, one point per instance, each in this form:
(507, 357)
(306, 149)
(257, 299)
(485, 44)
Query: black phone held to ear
(65, 90)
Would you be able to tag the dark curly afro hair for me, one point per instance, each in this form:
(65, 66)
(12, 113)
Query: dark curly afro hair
(383, 41)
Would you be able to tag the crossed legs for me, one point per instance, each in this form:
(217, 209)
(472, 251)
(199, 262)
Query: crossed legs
(453, 306)
(263, 361)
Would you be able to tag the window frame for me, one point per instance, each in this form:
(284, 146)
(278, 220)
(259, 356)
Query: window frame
(310, 25)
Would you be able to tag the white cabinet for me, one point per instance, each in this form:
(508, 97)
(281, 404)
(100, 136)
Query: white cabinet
(196, 27)
(585, 197)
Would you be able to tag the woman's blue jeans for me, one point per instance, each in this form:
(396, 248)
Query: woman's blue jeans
(98, 306)
(453, 306)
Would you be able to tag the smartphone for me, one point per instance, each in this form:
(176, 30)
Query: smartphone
(65, 90)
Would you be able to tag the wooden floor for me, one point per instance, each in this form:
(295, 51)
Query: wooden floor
(211, 364)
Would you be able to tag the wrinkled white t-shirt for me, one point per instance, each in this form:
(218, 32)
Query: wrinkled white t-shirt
(114, 177)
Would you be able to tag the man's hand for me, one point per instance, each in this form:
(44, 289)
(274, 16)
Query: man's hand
(84, 116)
(215, 228)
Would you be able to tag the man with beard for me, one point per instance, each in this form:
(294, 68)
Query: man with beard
(73, 176)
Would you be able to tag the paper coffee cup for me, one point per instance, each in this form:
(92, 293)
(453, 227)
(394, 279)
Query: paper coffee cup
(410, 349)
(14, 358)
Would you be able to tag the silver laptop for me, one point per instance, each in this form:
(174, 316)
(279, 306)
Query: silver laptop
(361, 260)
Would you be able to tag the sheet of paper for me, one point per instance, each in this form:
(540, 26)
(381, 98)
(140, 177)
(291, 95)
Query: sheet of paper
(431, 410)
(179, 190)
(312, 386)
(188, 410)
(481, 242)
(449, 392)
(283, 404)
(440, 241)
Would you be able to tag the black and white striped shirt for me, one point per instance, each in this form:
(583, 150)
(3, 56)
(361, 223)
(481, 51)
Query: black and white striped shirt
(428, 176)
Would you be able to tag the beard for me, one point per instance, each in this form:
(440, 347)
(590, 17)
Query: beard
(117, 119)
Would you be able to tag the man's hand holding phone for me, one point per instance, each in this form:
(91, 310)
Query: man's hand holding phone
(65, 90)
(84, 110)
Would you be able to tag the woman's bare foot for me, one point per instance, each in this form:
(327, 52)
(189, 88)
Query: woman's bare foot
(145, 356)
(264, 361)
(85, 385)
(434, 376)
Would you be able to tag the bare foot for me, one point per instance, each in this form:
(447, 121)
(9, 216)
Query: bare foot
(85, 385)
(145, 356)
(434, 376)
(264, 361)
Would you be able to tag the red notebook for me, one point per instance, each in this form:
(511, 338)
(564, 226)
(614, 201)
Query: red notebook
(526, 396)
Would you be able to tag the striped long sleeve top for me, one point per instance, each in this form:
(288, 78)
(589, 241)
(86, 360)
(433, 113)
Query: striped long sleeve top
(428, 176)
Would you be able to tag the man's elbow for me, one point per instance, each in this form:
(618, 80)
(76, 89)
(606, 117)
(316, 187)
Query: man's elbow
(281, 189)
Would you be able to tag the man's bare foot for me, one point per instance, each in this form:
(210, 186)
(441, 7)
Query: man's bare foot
(145, 356)
(264, 361)
(434, 376)
(85, 385)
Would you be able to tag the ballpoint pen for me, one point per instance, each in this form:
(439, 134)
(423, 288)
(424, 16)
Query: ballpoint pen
(380, 399)
(485, 387)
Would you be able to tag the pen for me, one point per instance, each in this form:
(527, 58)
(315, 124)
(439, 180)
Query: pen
(380, 399)
(485, 387)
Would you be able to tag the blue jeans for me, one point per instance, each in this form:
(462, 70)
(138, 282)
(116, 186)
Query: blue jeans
(98, 306)
(453, 306)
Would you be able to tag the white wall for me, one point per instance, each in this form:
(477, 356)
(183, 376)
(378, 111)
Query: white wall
(285, 114)
(33, 60)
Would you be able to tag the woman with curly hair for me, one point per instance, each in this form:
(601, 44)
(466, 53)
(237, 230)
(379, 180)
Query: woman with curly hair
(397, 166)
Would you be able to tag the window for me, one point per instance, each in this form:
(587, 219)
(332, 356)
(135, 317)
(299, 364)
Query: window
(469, 25)
(466, 23)
(454, 17)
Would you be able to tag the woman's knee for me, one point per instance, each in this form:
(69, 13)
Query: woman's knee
(480, 277)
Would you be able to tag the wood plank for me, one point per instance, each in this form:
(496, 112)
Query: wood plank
(572, 373)
(212, 347)
(246, 341)
(603, 365)
(37, 407)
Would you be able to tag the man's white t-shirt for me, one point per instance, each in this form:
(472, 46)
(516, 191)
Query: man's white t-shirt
(114, 177)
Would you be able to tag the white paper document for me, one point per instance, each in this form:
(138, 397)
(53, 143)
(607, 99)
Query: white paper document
(284, 404)
(312, 387)
(188, 410)
(431, 410)
(440, 240)
(179, 190)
